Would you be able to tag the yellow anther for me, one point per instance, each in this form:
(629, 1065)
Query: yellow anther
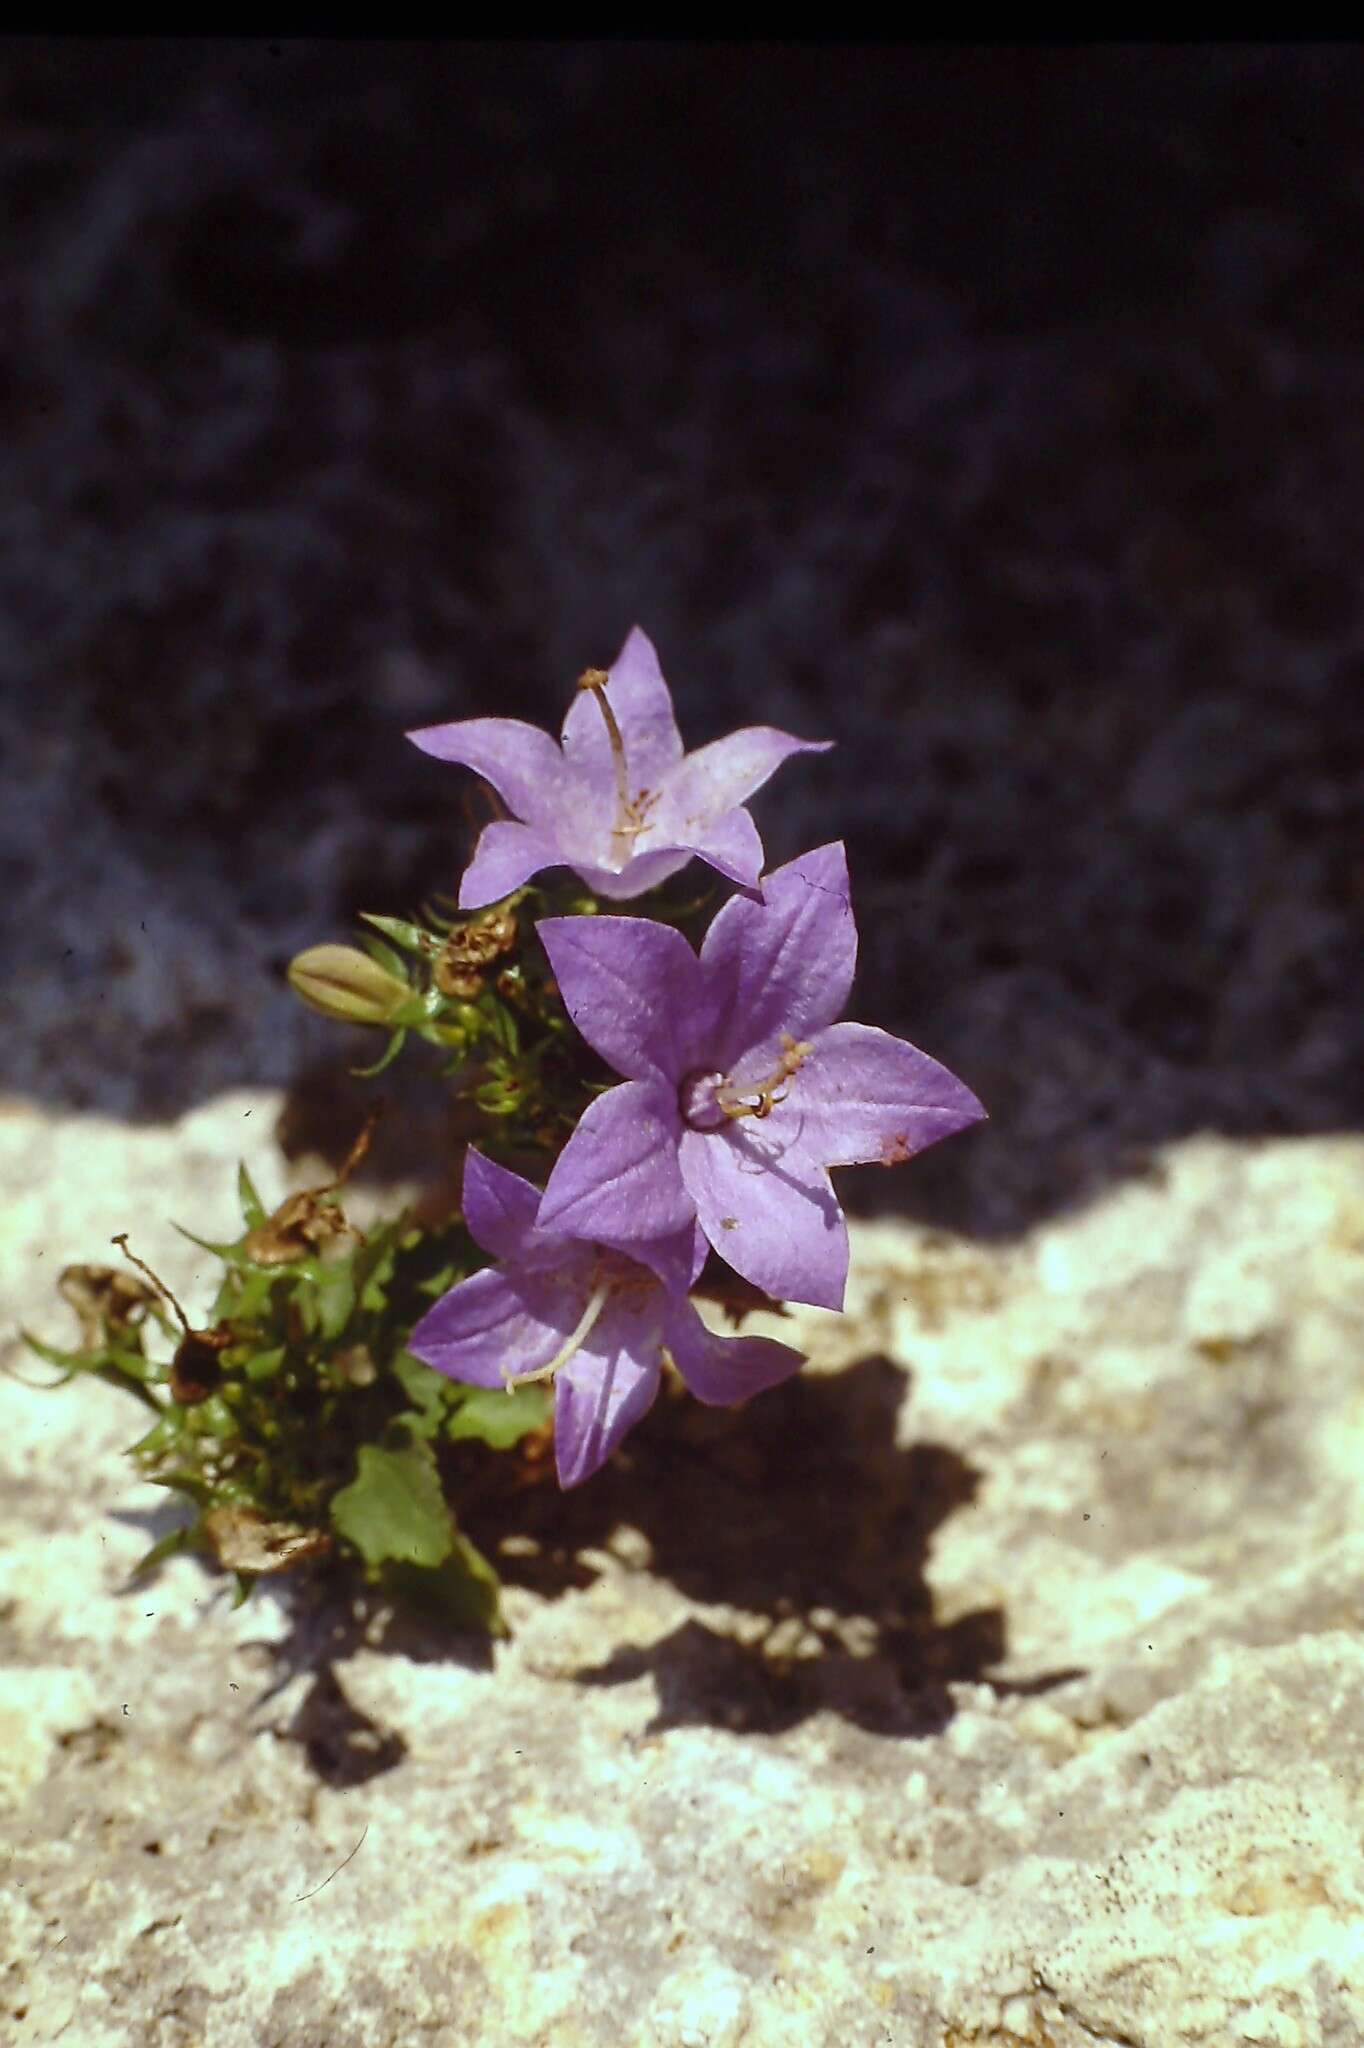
(737, 1102)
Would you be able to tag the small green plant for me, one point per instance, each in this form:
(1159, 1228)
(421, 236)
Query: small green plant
(634, 1107)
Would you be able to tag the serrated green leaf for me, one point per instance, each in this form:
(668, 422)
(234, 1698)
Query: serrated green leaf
(463, 1591)
(500, 1419)
(394, 1508)
(252, 1207)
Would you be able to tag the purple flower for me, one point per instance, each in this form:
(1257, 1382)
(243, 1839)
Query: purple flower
(741, 1091)
(620, 802)
(597, 1324)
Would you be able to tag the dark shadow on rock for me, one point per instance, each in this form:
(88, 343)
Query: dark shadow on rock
(799, 1513)
(344, 1746)
(802, 1513)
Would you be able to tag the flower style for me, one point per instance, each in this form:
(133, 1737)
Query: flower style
(620, 802)
(597, 1324)
(740, 1090)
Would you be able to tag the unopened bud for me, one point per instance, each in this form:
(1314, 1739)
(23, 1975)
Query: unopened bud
(344, 983)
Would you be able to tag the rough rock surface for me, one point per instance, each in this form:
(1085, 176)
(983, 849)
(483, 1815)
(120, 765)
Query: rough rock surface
(996, 1683)
(999, 415)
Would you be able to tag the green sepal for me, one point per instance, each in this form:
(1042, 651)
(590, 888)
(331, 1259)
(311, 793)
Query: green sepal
(384, 956)
(410, 937)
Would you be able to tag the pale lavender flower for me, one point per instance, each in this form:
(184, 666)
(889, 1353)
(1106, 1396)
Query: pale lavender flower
(741, 1090)
(619, 802)
(596, 1323)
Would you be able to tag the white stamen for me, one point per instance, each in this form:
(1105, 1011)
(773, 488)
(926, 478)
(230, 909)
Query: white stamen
(631, 816)
(596, 1302)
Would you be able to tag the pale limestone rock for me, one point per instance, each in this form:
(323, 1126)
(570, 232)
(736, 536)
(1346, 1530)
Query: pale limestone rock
(674, 1811)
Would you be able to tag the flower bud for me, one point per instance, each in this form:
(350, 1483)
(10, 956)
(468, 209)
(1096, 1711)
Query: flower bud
(344, 983)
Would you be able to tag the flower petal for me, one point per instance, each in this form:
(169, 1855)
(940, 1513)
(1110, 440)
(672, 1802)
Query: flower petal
(494, 1324)
(643, 710)
(499, 1207)
(604, 1390)
(770, 1213)
(505, 857)
(722, 1370)
(633, 988)
(717, 777)
(642, 871)
(864, 1095)
(617, 1180)
(522, 763)
(732, 846)
(674, 1260)
(784, 961)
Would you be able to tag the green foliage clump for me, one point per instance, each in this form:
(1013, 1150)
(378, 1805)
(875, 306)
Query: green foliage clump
(294, 1423)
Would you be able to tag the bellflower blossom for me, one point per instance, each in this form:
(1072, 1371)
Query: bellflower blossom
(740, 1090)
(597, 1324)
(619, 802)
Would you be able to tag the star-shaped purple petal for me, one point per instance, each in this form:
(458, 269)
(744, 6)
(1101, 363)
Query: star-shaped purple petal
(743, 1090)
(599, 1324)
(618, 801)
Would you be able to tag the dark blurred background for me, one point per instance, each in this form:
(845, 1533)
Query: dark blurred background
(994, 412)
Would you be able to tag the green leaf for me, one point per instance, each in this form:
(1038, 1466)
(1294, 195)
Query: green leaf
(71, 1362)
(245, 1292)
(231, 1254)
(410, 937)
(178, 1539)
(213, 1418)
(266, 1364)
(396, 1042)
(500, 1419)
(335, 1291)
(253, 1209)
(425, 1388)
(394, 1508)
(462, 1591)
(188, 1483)
(161, 1437)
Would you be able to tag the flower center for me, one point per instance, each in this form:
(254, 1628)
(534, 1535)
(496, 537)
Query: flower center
(706, 1100)
(698, 1100)
(632, 813)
